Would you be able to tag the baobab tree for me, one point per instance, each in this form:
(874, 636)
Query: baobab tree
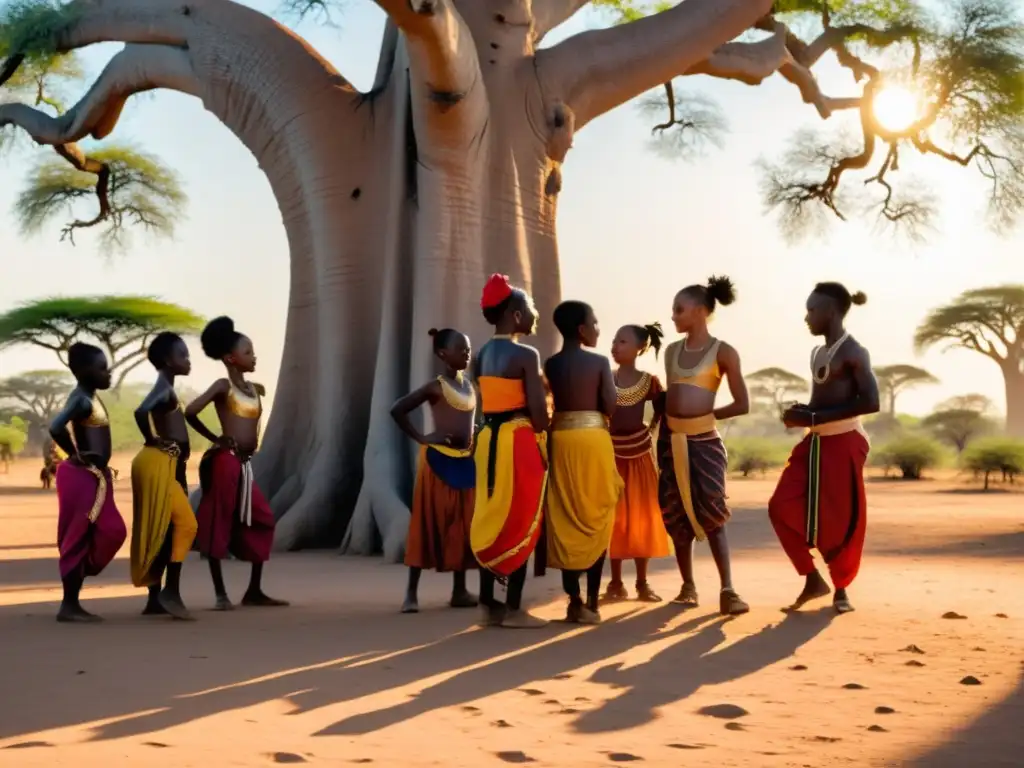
(398, 201)
(989, 321)
(121, 325)
(895, 379)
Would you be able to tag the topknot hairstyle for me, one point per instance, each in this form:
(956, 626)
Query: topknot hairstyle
(443, 338)
(569, 316)
(649, 336)
(718, 290)
(839, 293)
(80, 356)
(160, 348)
(219, 338)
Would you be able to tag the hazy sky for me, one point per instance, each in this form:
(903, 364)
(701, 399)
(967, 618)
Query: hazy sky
(633, 228)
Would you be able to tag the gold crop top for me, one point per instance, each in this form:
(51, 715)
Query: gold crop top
(243, 405)
(705, 375)
(98, 415)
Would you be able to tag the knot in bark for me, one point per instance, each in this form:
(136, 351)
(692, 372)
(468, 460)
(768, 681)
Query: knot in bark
(562, 126)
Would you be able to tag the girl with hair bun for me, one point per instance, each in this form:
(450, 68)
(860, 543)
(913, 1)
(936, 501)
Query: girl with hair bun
(442, 501)
(234, 517)
(639, 532)
(691, 455)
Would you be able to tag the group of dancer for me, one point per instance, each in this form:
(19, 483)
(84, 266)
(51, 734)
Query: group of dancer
(233, 518)
(522, 454)
(563, 457)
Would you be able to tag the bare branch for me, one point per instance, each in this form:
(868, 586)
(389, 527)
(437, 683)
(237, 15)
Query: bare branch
(596, 71)
(694, 121)
(548, 14)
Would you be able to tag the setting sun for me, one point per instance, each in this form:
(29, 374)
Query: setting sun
(896, 108)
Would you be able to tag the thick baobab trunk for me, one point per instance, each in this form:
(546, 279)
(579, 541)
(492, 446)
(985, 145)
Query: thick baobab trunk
(397, 203)
(1013, 377)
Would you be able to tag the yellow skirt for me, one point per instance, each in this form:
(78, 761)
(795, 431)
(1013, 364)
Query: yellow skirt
(158, 502)
(583, 492)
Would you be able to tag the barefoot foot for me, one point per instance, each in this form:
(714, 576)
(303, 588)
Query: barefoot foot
(578, 613)
(493, 615)
(615, 592)
(171, 603)
(522, 620)
(410, 605)
(463, 599)
(730, 604)
(223, 604)
(687, 597)
(814, 589)
(260, 600)
(153, 608)
(69, 614)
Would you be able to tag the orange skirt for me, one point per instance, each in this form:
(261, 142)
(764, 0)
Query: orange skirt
(639, 531)
(441, 516)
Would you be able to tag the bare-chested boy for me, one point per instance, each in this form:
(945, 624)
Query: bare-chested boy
(820, 500)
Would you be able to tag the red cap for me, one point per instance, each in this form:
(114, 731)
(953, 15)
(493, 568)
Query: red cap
(496, 291)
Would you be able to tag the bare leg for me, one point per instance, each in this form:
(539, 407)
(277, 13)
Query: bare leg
(412, 603)
(71, 609)
(219, 590)
(515, 617)
(814, 588)
(616, 590)
(841, 602)
(644, 593)
(461, 597)
(594, 574)
(687, 596)
(254, 595)
(494, 611)
(153, 606)
(170, 596)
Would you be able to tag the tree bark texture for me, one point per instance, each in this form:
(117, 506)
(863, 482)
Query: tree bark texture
(398, 202)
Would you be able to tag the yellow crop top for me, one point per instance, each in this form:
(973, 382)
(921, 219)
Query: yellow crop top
(705, 375)
(243, 405)
(98, 415)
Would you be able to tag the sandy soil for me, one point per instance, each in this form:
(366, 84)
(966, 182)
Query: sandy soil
(341, 678)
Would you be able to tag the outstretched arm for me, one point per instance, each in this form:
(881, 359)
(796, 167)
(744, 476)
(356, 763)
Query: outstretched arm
(729, 362)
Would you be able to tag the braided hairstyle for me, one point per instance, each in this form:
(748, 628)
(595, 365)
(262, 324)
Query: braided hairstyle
(648, 336)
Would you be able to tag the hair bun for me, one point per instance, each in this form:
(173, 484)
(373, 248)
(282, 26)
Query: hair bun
(859, 298)
(218, 337)
(432, 332)
(721, 289)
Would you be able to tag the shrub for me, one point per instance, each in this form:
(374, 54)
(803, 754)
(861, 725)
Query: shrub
(995, 454)
(910, 453)
(756, 454)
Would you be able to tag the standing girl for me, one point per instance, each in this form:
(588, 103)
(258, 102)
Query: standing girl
(233, 515)
(442, 502)
(639, 532)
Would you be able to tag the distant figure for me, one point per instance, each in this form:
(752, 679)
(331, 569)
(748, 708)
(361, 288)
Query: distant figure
(233, 515)
(6, 456)
(90, 530)
(442, 501)
(585, 486)
(639, 533)
(510, 464)
(691, 455)
(51, 460)
(164, 525)
(820, 502)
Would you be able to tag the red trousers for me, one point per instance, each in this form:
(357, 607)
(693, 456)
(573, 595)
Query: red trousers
(841, 513)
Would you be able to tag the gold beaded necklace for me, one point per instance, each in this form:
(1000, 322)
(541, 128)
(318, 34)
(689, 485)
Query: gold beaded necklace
(628, 396)
(457, 399)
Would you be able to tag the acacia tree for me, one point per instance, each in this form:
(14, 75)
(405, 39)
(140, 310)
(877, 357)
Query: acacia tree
(121, 325)
(989, 321)
(35, 397)
(960, 419)
(772, 387)
(894, 379)
(398, 201)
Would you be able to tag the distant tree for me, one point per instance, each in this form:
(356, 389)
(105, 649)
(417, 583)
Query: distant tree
(36, 397)
(13, 435)
(1004, 455)
(893, 380)
(910, 453)
(772, 387)
(121, 325)
(961, 419)
(989, 321)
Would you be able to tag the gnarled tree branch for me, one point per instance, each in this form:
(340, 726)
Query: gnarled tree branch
(596, 71)
(548, 14)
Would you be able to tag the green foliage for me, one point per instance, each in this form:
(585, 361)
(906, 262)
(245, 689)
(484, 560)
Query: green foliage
(32, 28)
(142, 191)
(753, 454)
(910, 453)
(958, 426)
(13, 435)
(1004, 455)
(124, 433)
(36, 396)
(981, 319)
